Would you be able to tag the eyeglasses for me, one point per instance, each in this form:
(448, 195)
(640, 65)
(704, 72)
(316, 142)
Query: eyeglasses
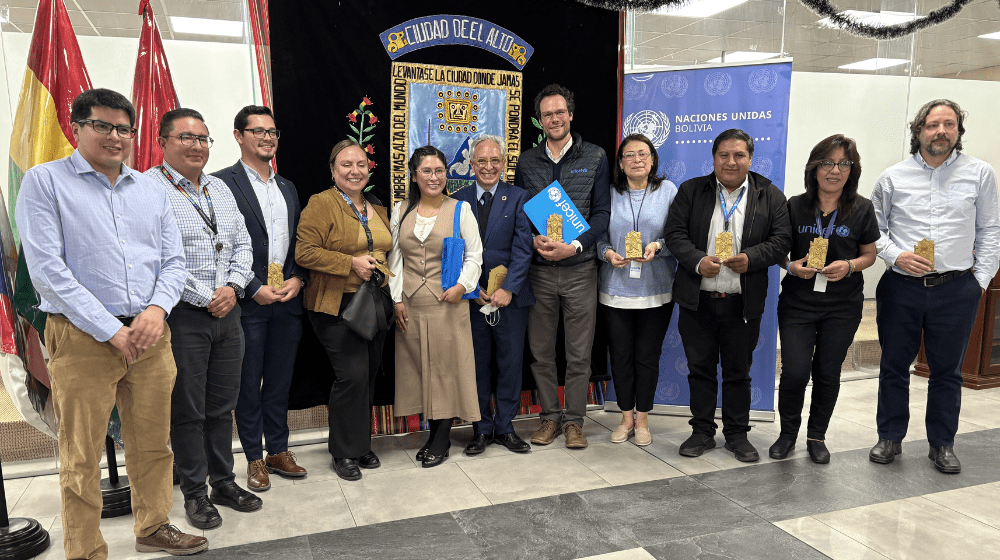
(481, 162)
(427, 172)
(104, 127)
(561, 113)
(844, 165)
(636, 155)
(262, 132)
(189, 139)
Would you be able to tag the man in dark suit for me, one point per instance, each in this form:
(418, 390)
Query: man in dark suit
(272, 305)
(506, 234)
(722, 301)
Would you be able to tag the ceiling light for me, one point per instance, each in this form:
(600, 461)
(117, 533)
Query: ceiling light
(994, 35)
(201, 26)
(874, 64)
(702, 9)
(745, 56)
(872, 18)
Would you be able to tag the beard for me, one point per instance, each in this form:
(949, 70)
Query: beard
(933, 150)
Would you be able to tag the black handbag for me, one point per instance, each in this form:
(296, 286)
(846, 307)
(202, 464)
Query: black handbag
(368, 314)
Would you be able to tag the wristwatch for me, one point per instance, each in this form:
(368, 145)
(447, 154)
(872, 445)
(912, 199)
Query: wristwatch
(236, 288)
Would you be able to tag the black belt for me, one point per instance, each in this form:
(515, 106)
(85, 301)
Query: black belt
(127, 321)
(936, 279)
(718, 295)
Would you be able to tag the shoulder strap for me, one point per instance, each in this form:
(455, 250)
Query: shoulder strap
(456, 230)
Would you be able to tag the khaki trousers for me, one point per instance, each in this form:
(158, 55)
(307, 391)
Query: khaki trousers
(88, 378)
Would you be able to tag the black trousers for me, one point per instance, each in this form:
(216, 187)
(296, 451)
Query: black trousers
(209, 356)
(635, 342)
(716, 333)
(812, 343)
(355, 363)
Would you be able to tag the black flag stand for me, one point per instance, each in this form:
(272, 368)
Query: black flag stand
(20, 537)
(115, 490)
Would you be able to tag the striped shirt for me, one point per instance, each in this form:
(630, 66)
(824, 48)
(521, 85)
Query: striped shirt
(96, 251)
(203, 261)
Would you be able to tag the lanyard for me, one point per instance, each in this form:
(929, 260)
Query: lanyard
(635, 216)
(727, 215)
(363, 218)
(825, 233)
(210, 222)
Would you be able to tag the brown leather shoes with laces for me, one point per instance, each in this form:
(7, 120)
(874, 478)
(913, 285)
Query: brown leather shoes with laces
(257, 479)
(284, 464)
(574, 437)
(170, 539)
(547, 433)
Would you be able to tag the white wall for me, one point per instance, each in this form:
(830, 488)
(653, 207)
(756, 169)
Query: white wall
(875, 110)
(213, 78)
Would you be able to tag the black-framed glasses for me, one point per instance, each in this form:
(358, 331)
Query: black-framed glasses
(844, 165)
(104, 127)
(262, 132)
(482, 162)
(189, 139)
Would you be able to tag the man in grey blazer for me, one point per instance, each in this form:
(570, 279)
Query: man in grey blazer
(506, 234)
(272, 311)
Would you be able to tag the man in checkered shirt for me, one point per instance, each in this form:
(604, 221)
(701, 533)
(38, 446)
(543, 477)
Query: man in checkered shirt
(208, 338)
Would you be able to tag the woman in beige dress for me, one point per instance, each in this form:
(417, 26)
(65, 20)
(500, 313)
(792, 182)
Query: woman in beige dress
(435, 365)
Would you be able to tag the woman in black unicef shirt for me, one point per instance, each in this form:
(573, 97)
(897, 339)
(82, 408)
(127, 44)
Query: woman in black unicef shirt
(819, 310)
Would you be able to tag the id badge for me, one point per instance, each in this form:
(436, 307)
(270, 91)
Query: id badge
(634, 269)
(221, 269)
(820, 285)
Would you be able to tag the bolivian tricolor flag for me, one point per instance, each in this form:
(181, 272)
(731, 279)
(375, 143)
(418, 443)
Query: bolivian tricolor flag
(54, 77)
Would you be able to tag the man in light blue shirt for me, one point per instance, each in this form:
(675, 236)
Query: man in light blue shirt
(104, 253)
(949, 198)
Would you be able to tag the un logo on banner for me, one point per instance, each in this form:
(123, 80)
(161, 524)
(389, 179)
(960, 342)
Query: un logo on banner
(718, 83)
(635, 87)
(554, 194)
(675, 85)
(762, 80)
(672, 391)
(843, 231)
(763, 165)
(681, 365)
(755, 395)
(707, 167)
(654, 125)
(674, 170)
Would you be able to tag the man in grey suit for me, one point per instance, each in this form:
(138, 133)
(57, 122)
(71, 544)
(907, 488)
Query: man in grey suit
(506, 234)
(272, 311)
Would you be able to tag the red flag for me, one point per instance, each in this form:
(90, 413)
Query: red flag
(152, 91)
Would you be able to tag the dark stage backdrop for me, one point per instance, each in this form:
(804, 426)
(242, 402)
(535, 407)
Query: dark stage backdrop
(327, 57)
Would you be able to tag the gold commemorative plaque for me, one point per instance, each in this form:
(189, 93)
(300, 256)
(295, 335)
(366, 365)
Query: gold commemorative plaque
(275, 276)
(633, 245)
(925, 248)
(724, 245)
(497, 276)
(554, 227)
(817, 253)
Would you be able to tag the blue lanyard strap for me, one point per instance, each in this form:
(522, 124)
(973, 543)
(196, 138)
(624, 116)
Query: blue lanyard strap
(825, 233)
(727, 215)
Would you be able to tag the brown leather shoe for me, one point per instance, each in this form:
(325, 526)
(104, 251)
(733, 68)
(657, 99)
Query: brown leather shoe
(170, 539)
(574, 437)
(284, 464)
(547, 433)
(257, 479)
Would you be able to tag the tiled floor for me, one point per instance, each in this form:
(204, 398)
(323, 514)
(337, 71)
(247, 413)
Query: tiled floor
(617, 501)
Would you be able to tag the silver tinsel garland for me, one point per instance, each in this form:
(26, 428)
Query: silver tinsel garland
(820, 7)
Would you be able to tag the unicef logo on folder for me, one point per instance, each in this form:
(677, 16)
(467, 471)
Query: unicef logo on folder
(554, 200)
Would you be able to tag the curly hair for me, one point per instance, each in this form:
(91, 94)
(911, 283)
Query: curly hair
(917, 124)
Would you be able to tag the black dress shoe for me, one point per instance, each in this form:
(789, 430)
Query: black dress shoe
(781, 448)
(431, 460)
(885, 451)
(201, 513)
(818, 451)
(346, 468)
(478, 444)
(369, 461)
(231, 495)
(513, 442)
(422, 452)
(744, 451)
(697, 444)
(945, 460)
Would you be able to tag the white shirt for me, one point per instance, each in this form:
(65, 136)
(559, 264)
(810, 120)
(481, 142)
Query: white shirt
(727, 281)
(556, 158)
(469, 228)
(275, 211)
